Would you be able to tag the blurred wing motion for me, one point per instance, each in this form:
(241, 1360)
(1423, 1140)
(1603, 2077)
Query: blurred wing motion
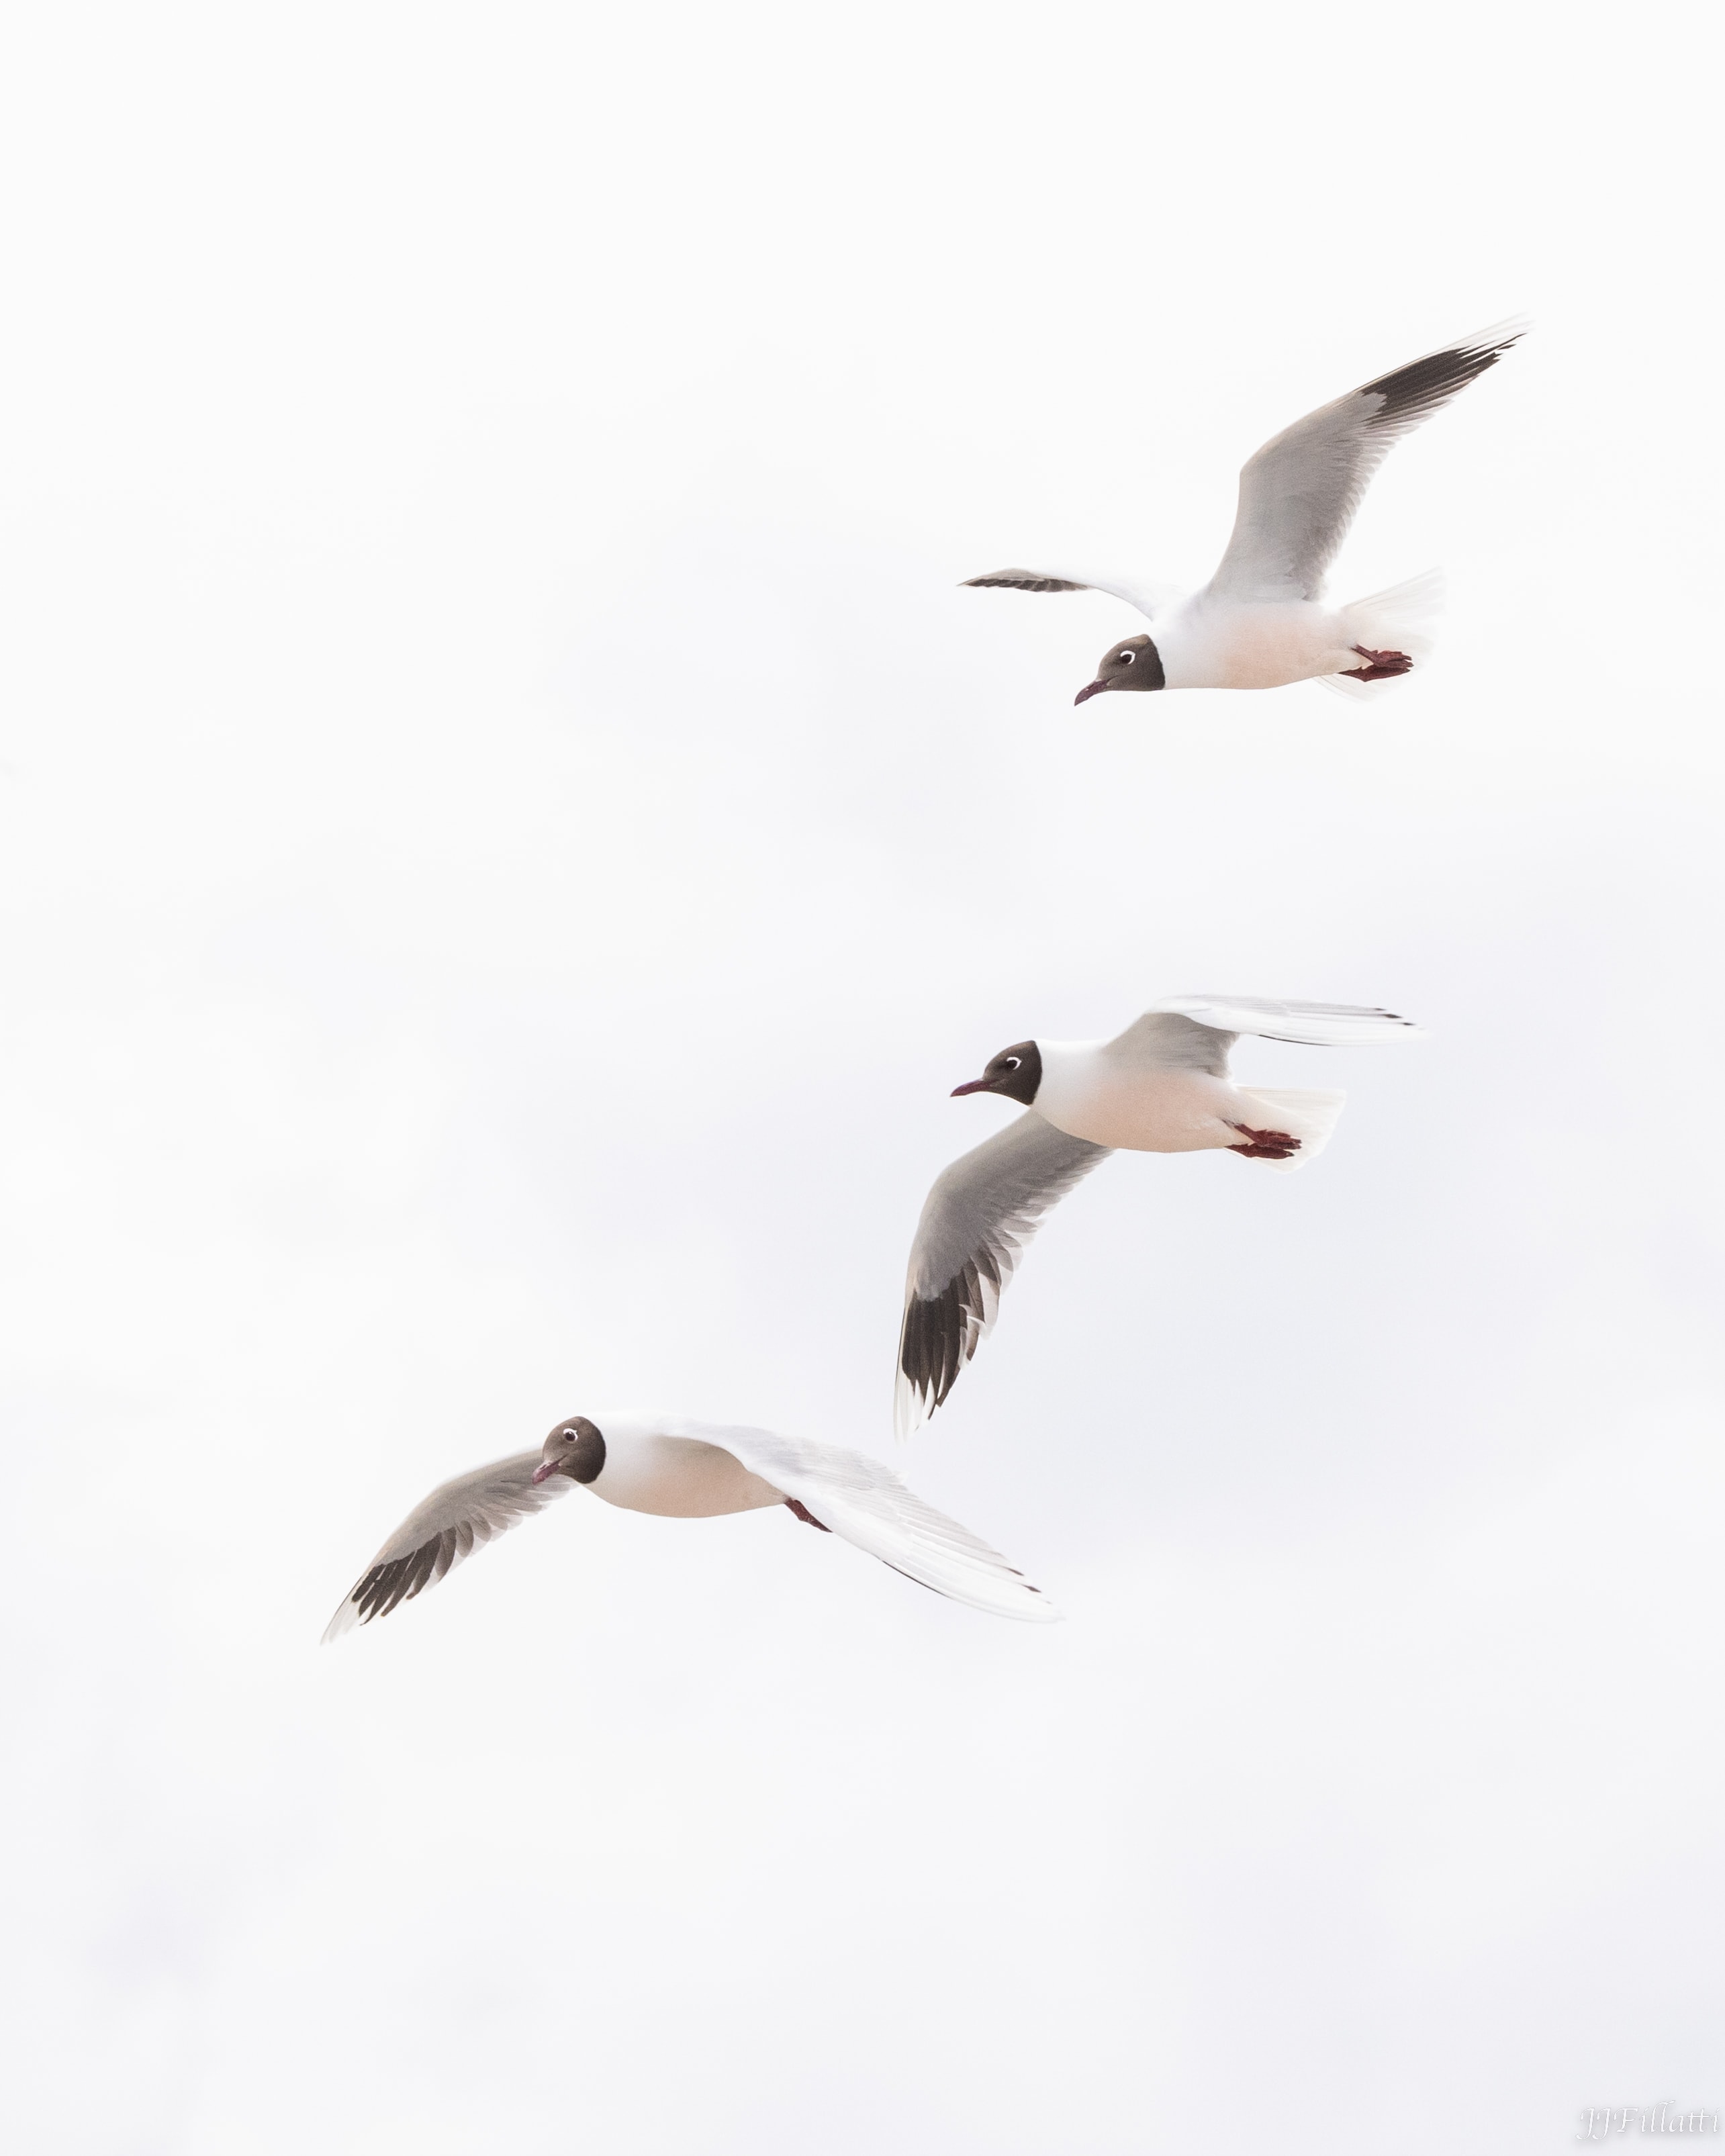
(1299, 494)
(975, 1222)
(453, 1520)
(1148, 597)
(865, 1502)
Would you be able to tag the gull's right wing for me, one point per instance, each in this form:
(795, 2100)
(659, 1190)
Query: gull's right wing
(1149, 597)
(453, 1521)
(981, 1212)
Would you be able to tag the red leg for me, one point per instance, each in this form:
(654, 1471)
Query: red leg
(803, 1512)
(1265, 1144)
(1379, 666)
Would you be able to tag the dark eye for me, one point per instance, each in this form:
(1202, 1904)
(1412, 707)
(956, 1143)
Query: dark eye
(1127, 657)
(567, 1436)
(1008, 1063)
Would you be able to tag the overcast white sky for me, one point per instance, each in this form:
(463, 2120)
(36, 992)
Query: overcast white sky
(511, 832)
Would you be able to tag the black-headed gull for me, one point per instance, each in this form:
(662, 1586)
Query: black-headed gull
(687, 1470)
(1261, 620)
(1161, 1087)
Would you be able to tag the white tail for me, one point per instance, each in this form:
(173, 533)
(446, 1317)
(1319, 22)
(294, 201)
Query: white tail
(1303, 1114)
(1400, 619)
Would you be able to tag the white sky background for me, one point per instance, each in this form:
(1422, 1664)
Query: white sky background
(511, 834)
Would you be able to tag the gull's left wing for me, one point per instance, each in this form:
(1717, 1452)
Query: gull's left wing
(1310, 1025)
(1195, 1033)
(1299, 493)
(861, 1499)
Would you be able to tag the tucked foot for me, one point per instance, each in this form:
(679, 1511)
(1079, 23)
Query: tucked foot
(803, 1512)
(1379, 666)
(1265, 1144)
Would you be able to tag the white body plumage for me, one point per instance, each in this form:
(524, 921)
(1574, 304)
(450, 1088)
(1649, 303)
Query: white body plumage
(1103, 1091)
(650, 1468)
(1211, 642)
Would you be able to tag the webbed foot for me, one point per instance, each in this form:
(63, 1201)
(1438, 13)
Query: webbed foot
(1265, 1144)
(1379, 666)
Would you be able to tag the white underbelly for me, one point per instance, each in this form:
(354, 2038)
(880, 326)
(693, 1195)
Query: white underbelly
(1159, 1111)
(1265, 646)
(681, 1478)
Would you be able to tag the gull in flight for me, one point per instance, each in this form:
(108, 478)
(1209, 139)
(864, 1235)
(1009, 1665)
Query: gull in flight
(690, 1470)
(1161, 1087)
(1262, 620)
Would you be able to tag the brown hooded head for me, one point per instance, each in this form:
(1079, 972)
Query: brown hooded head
(1135, 663)
(1015, 1072)
(575, 1447)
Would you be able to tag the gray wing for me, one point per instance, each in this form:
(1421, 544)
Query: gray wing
(452, 1522)
(1299, 494)
(1165, 1039)
(861, 1499)
(1312, 1026)
(1148, 597)
(981, 1212)
(1195, 1033)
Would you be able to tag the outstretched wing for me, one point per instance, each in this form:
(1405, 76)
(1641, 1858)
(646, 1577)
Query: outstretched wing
(1195, 1033)
(453, 1521)
(1299, 494)
(1313, 1025)
(1148, 597)
(976, 1219)
(865, 1502)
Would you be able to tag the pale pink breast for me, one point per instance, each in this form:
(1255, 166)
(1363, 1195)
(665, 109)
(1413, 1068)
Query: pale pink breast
(1159, 1111)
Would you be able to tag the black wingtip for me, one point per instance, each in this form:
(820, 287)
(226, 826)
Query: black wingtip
(385, 1587)
(1018, 580)
(940, 1332)
(1412, 392)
